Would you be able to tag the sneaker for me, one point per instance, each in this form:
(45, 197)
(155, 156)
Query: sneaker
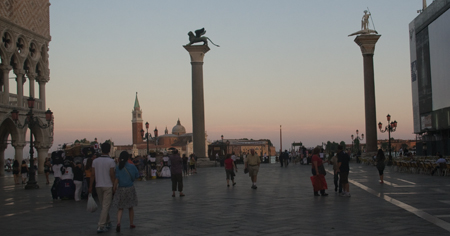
(342, 194)
(101, 230)
(253, 186)
(348, 195)
(108, 225)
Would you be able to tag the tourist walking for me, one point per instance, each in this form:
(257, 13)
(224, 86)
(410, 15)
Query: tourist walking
(230, 167)
(176, 169)
(252, 163)
(15, 170)
(47, 168)
(124, 192)
(380, 164)
(103, 173)
(344, 169)
(192, 165)
(24, 170)
(440, 161)
(318, 172)
(78, 180)
(337, 183)
(185, 164)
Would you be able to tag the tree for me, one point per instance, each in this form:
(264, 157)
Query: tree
(384, 146)
(404, 146)
(342, 143)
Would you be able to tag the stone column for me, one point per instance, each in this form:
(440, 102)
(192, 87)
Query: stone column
(42, 154)
(2, 159)
(5, 72)
(197, 54)
(19, 152)
(367, 44)
(31, 77)
(42, 92)
(20, 80)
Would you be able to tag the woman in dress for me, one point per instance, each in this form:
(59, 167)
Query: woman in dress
(24, 171)
(16, 168)
(380, 164)
(124, 192)
(318, 172)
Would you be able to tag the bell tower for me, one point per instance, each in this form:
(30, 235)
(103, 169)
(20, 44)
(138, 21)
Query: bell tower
(137, 122)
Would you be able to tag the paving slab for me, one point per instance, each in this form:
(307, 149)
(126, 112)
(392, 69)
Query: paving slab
(283, 204)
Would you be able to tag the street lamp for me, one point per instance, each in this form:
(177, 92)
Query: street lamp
(146, 136)
(353, 141)
(391, 127)
(30, 122)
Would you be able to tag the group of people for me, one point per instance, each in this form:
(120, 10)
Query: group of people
(341, 169)
(21, 171)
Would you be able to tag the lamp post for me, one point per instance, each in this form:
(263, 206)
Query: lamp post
(146, 136)
(390, 127)
(30, 122)
(353, 141)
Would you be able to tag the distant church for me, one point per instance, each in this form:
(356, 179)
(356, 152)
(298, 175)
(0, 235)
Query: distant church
(178, 139)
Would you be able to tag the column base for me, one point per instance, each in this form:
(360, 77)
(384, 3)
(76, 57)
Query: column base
(205, 162)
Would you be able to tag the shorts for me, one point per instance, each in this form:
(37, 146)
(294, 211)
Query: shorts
(344, 177)
(253, 170)
(24, 175)
(230, 173)
(192, 167)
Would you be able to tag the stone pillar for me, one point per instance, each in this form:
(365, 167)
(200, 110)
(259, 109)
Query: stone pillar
(367, 44)
(31, 77)
(20, 81)
(19, 152)
(5, 72)
(42, 93)
(197, 54)
(2, 159)
(42, 154)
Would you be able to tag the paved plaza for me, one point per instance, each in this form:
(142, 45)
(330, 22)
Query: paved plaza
(283, 204)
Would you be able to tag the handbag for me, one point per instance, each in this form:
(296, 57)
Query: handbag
(246, 170)
(322, 170)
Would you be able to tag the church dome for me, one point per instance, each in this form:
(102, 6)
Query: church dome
(178, 129)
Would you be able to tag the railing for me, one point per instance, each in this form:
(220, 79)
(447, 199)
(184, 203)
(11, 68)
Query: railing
(13, 103)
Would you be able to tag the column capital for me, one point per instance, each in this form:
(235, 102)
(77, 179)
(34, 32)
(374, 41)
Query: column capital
(367, 43)
(42, 79)
(31, 75)
(197, 53)
(18, 145)
(5, 67)
(19, 72)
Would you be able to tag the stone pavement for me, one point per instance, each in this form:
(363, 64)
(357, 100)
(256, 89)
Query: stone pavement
(283, 204)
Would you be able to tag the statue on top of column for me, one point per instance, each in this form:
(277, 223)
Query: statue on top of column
(197, 38)
(365, 25)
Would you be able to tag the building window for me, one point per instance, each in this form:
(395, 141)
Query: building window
(139, 115)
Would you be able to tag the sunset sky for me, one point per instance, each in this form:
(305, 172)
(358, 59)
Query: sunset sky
(288, 63)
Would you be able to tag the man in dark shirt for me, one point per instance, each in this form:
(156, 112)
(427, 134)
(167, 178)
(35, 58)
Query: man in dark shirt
(344, 169)
(176, 170)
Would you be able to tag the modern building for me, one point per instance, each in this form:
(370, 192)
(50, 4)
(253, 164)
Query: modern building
(429, 35)
(25, 36)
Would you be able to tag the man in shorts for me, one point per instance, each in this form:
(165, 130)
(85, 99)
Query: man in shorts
(252, 163)
(344, 169)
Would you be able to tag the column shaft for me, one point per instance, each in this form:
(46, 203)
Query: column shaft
(369, 102)
(5, 70)
(42, 93)
(19, 73)
(18, 153)
(198, 109)
(42, 154)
